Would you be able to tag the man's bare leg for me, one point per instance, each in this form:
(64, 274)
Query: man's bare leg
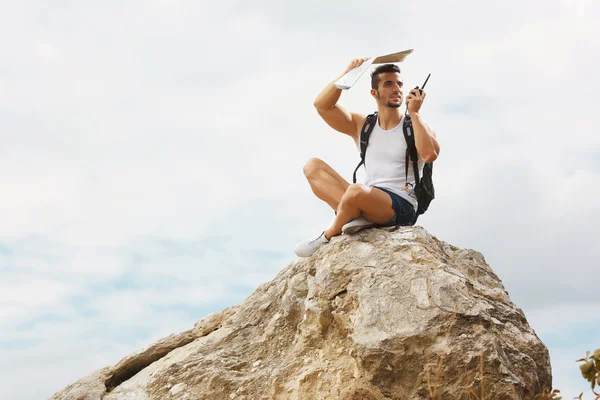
(346, 213)
(325, 183)
(350, 202)
(361, 200)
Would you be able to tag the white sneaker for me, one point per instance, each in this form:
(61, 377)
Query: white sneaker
(307, 247)
(356, 225)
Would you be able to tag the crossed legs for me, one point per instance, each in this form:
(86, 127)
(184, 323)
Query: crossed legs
(349, 200)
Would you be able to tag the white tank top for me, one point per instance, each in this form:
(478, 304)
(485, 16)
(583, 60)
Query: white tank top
(384, 162)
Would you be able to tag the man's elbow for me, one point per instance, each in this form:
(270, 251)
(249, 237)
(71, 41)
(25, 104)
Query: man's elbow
(430, 157)
(319, 106)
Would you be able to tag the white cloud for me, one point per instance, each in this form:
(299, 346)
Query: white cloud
(33, 293)
(46, 51)
(580, 6)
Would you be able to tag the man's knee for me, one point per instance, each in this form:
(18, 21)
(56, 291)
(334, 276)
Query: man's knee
(354, 193)
(312, 167)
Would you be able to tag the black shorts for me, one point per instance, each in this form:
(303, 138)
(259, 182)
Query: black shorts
(405, 213)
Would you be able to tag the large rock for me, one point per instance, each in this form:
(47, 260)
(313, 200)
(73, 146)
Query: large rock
(381, 314)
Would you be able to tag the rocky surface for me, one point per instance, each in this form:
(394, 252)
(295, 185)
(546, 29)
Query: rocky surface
(382, 314)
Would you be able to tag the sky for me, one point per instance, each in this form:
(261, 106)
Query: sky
(151, 158)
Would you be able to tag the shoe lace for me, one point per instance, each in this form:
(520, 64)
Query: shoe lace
(313, 242)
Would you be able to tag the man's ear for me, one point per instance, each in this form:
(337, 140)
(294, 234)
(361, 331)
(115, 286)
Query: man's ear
(374, 93)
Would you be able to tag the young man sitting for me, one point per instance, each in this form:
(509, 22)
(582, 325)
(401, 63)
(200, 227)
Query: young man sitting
(386, 198)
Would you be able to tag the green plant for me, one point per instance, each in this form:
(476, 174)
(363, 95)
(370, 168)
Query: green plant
(590, 370)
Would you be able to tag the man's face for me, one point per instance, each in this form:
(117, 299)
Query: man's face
(390, 90)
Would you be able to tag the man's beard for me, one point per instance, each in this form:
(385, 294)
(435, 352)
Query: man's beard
(390, 104)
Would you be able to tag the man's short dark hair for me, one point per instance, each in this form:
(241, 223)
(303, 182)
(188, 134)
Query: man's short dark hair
(380, 70)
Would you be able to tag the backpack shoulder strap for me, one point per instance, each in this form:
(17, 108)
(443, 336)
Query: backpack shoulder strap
(365, 133)
(411, 149)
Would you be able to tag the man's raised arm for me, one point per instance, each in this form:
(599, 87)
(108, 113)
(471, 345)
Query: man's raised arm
(336, 116)
(425, 137)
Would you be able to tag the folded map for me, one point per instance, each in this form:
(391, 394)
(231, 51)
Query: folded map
(352, 76)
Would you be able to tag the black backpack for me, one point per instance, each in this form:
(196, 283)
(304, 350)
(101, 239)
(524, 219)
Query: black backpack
(423, 185)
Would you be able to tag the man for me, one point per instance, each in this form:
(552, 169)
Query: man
(386, 198)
